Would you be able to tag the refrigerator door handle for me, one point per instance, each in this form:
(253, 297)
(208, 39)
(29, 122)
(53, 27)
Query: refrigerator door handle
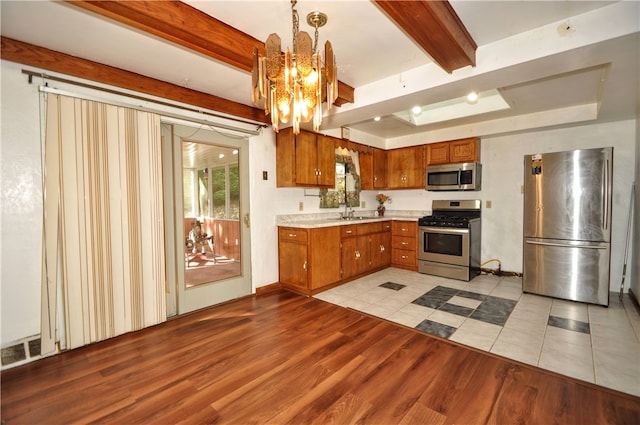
(605, 196)
(566, 245)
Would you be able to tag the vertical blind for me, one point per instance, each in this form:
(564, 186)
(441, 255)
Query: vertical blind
(104, 224)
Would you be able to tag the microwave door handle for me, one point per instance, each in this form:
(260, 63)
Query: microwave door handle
(459, 178)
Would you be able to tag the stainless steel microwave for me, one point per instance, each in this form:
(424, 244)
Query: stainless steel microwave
(467, 176)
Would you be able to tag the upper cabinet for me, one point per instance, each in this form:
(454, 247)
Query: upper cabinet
(405, 168)
(454, 151)
(373, 169)
(379, 169)
(306, 159)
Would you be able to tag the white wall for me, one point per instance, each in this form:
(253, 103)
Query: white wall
(502, 159)
(21, 206)
(633, 267)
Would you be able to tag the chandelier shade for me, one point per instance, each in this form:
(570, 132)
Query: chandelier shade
(293, 85)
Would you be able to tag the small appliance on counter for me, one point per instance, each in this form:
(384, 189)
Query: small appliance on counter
(449, 240)
(567, 224)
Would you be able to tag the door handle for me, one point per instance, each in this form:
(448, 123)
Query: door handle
(559, 245)
(247, 222)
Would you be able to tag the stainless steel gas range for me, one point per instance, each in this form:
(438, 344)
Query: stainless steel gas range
(449, 240)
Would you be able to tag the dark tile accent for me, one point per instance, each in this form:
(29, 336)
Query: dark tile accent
(394, 286)
(431, 302)
(443, 291)
(456, 309)
(13, 354)
(436, 328)
(569, 324)
(472, 295)
(494, 310)
(436, 297)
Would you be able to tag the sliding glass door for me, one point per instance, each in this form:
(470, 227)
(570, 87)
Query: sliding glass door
(210, 204)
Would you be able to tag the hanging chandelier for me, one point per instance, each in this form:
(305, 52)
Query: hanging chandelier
(293, 85)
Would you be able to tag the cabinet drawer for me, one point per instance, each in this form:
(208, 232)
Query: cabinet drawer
(292, 234)
(348, 230)
(404, 228)
(403, 257)
(404, 242)
(366, 228)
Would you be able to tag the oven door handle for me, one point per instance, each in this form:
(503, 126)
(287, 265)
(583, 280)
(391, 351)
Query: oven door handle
(444, 230)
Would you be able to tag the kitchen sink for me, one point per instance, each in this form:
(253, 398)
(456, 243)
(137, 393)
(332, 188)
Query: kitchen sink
(360, 217)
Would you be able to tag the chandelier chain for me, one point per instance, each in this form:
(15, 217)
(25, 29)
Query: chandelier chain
(296, 24)
(315, 41)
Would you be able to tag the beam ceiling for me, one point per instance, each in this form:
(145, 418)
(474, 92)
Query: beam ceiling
(436, 28)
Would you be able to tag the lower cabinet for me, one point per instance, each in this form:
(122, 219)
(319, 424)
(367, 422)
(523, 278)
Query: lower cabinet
(404, 243)
(312, 260)
(365, 248)
(306, 260)
(380, 250)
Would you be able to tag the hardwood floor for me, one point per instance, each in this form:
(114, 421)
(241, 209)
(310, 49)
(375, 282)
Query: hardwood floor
(284, 358)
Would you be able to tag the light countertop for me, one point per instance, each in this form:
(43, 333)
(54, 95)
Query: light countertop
(311, 221)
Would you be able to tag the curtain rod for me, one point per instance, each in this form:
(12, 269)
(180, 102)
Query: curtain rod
(43, 75)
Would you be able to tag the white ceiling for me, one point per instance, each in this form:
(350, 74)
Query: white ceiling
(554, 62)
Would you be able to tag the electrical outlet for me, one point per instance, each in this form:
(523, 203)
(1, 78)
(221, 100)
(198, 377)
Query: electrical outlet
(300, 206)
(363, 204)
(265, 175)
(488, 204)
(521, 188)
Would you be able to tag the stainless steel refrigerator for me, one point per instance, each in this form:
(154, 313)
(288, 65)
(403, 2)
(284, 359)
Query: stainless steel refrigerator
(567, 224)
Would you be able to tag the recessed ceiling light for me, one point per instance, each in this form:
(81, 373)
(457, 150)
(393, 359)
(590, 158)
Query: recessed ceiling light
(235, 151)
(376, 118)
(416, 110)
(488, 101)
(472, 97)
(221, 156)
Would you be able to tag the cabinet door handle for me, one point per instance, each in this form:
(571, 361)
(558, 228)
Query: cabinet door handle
(304, 266)
(404, 257)
(348, 232)
(292, 235)
(404, 243)
(381, 248)
(404, 229)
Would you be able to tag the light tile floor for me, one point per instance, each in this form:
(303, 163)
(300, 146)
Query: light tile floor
(593, 343)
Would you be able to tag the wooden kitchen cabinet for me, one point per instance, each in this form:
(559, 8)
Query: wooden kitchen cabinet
(380, 250)
(366, 171)
(307, 258)
(453, 151)
(366, 247)
(379, 168)
(437, 153)
(405, 168)
(306, 159)
(373, 170)
(355, 256)
(404, 244)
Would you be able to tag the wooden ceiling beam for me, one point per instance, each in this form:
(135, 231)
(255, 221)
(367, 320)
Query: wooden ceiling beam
(28, 54)
(436, 28)
(187, 26)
